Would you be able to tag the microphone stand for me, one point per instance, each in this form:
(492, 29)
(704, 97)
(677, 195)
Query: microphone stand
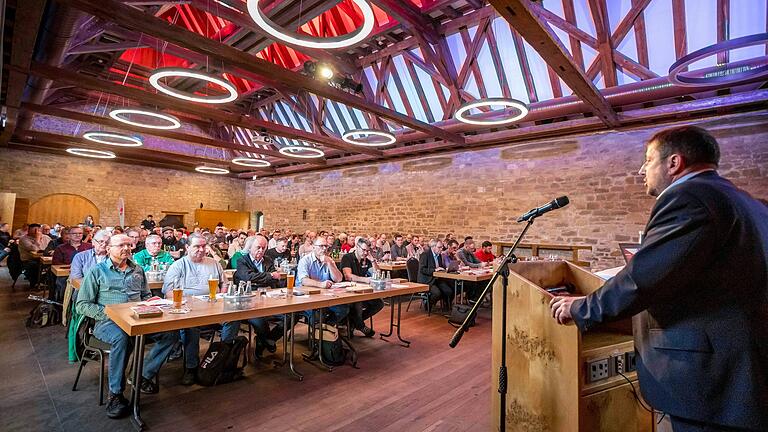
(503, 270)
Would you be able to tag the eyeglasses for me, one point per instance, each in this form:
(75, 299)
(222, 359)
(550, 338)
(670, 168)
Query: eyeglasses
(325, 246)
(101, 242)
(123, 245)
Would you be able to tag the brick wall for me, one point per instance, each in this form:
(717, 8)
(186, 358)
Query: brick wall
(145, 190)
(480, 193)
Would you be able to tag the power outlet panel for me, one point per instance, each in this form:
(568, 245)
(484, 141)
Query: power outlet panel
(617, 362)
(598, 370)
(630, 361)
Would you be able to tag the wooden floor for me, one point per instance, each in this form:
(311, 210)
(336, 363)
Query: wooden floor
(427, 387)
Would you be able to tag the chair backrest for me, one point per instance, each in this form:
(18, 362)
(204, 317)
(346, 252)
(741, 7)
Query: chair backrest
(412, 266)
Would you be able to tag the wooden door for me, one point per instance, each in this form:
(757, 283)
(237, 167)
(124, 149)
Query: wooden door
(231, 219)
(7, 204)
(69, 209)
(20, 211)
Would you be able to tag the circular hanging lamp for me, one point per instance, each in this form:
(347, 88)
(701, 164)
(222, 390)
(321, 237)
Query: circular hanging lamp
(123, 115)
(161, 73)
(251, 162)
(211, 170)
(282, 34)
(113, 138)
(354, 136)
(461, 113)
(302, 152)
(98, 154)
(677, 76)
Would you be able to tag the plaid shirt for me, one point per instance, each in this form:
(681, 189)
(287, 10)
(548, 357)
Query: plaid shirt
(106, 284)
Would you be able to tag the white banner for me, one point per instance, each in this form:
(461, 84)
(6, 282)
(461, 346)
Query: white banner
(121, 211)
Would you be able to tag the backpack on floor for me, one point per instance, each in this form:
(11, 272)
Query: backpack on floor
(44, 315)
(220, 363)
(334, 347)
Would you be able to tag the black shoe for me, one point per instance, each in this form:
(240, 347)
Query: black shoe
(117, 406)
(271, 346)
(367, 331)
(148, 386)
(176, 353)
(190, 376)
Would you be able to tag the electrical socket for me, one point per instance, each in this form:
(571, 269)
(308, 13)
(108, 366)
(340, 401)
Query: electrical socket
(598, 370)
(617, 361)
(630, 361)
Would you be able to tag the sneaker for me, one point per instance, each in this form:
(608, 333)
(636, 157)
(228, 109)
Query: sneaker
(117, 406)
(190, 376)
(367, 331)
(271, 346)
(148, 386)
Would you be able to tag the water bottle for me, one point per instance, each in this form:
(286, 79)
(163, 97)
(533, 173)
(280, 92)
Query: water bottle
(247, 288)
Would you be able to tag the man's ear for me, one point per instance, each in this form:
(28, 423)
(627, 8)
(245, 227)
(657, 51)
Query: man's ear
(675, 164)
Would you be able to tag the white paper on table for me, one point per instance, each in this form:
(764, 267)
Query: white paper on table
(159, 302)
(341, 285)
(609, 273)
(399, 286)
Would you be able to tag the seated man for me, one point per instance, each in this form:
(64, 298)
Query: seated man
(484, 254)
(349, 245)
(450, 256)
(238, 244)
(119, 280)
(170, 244)
(355, 266)
(192, 272)
(63, 254)
(83, 261)
(429, 262)
(259, 269)
(415, 248)
(280, 252)
(138, 244)
(467, 255)
(317, 269)
(152, 253)
(31, 246)
(398, 249)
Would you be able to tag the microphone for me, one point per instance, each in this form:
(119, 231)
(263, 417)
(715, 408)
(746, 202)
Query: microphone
(552, 205)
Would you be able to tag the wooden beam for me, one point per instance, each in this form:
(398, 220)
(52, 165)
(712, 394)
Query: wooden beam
(678, 21)
(410, 17)
(570, 17)
(641, 39)
(604, 44)
(167, 134)
(242, 63)
(22, 44)
(521, 16)
(723, 27)
(168, 102)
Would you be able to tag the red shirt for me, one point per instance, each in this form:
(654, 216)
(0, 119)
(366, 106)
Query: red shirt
(346, 247)
(484, 257)
(64, 253)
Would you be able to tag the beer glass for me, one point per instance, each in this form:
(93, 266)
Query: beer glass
(290, 278)
(213, 287)
(178, 294)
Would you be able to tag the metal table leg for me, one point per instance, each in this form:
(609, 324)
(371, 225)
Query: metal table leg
(138, 365)
(392, 324)
(311, 356)
(286, 357)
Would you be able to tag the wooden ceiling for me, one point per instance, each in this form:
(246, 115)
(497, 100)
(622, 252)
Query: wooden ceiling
(582, 65)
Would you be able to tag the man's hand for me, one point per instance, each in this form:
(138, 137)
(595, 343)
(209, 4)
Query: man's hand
(561, 309)
(439, 269)
(327, 284)
(275, 275)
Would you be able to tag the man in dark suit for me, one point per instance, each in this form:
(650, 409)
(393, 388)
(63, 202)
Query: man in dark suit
(429, 262)
(700, 284)
(259, 269)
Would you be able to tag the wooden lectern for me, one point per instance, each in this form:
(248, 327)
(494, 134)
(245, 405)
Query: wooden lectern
(560, 380)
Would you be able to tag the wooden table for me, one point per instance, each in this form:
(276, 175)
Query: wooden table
(46, 260)
(61, 270)
(205, 313)
(461, 277)
(392, 265)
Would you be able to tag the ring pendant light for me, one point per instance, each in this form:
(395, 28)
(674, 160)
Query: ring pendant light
(113, 138)
(161, 73)
(461, 113)
(677, 76)
(301, 152)
(211, 170)
(98, 154)
(353, 137)
(251, 162)
(123, 115)
(282, 34)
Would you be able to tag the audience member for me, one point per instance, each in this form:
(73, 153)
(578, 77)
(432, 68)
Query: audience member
(279, 253)
(84, 261)
(153, 252)
(237, 244)
(148, 223)
(429, 262)
(355, 266)
(415, 248)
(398, 249)
(467, 255)
(484, 254)
(317, 269)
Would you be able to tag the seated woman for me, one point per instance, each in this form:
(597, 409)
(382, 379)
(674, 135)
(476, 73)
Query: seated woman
(260, 270)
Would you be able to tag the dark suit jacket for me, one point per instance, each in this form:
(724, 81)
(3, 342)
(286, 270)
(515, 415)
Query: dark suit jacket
(427, 266)
(247, 271)
(700, 280)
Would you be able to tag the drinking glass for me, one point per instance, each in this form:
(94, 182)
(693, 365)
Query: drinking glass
(178, 294)
(213, 287)
(290, 278)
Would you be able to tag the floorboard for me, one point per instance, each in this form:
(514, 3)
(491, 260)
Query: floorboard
(427, 387)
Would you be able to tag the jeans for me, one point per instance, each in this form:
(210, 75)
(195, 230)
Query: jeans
(333, 314)
(361, 311)
(3, 254)
(263, 333)
(121, 348)
(190, 338)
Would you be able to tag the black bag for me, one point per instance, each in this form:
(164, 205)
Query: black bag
(333, 349)
(44, 315)
(220, 363)
(459, 313)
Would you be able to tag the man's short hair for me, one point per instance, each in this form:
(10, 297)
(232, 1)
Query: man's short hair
(433, 242)
(153, 237)
(467, 238)
(469, 241)
(149, 215)
(695, 144)
(487, 243)
(397, 236)
(102, 235)
(34, 225)
(452, 242)
(363, 241)
(194, 236)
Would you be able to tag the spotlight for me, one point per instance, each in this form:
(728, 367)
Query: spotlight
(325, 72)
